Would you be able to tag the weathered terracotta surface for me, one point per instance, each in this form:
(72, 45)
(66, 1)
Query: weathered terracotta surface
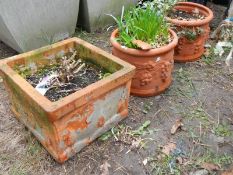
(191, 50)
(153, 67)
(66, 126)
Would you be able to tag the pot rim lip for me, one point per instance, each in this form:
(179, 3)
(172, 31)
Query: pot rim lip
(79, 97)
(137, 52)
(193, 22)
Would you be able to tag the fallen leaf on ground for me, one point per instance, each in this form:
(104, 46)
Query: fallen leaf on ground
(210, 166)
(105, 168)
(207, 52)
(167, 149)
(228, 172)
(176, 126)
(179, 160)
(142, 45)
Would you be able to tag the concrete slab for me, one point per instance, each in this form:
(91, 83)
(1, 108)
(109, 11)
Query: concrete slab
(27, 25)
(93, 16)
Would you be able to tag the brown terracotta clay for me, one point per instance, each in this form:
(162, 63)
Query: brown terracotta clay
(66, 126)
(153, 67)
(186, 50)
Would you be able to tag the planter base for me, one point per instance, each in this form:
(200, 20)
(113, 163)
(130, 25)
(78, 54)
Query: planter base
(148, 93)
(189, 58)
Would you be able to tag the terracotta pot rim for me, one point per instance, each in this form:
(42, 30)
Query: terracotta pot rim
(193, 22)
(138, 52)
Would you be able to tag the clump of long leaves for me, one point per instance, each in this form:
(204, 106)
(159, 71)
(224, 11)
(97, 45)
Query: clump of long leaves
(142, 24)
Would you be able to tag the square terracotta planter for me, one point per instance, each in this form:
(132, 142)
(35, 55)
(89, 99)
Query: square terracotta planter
(66, 126)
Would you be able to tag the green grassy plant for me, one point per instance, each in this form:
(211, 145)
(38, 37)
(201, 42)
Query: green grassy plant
(142, 24)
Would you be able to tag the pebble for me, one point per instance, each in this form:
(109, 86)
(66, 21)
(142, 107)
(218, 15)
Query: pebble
(199, 172)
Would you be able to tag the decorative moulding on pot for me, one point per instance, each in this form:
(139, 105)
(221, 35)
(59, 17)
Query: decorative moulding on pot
(29, 24)
(93, 16)
(66, 126)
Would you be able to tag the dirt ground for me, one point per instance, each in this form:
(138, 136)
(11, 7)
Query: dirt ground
(201, 95)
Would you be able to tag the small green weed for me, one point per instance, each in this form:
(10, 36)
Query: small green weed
(190, 34)
(222, 130)
(147, 107)
(115, 131)
(142, 130)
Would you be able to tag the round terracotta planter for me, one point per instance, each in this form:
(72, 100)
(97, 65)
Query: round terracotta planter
(186, 50)
(153, 67)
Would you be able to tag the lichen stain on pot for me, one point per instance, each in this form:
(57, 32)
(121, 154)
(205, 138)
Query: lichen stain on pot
(82, 128)
(191, 50)
(122, 108)
(101, 122)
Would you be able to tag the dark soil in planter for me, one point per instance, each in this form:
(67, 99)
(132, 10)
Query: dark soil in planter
(184, 15)
(89, 74)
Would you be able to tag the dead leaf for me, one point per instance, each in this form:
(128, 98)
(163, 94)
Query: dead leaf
(207, 53)
(228, 172)
(179, 160)
(136, 144)
(142, 45)
(210, 167)
(167, 149)
(176, 126)
(105, 168)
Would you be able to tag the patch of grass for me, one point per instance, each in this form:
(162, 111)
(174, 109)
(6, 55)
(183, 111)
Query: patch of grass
(212, 157)
(165, 165)
(17, 170)
(185, 87)
(116, 131)
(199, 113)
(222, 130)
(209, 57)
(33, 147)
